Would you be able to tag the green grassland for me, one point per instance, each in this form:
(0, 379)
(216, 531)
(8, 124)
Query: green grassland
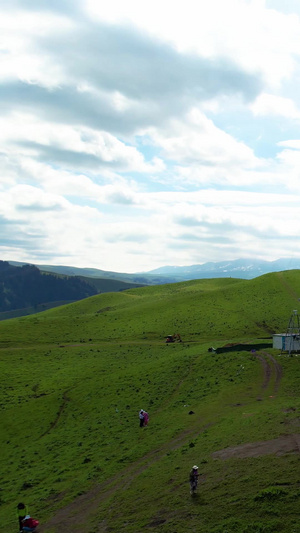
(73, 379)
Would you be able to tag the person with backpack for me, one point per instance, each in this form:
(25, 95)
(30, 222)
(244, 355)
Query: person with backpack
(146, 418)
(194, 479)
(29, 524)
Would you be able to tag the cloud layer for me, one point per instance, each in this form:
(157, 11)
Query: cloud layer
(131, 140)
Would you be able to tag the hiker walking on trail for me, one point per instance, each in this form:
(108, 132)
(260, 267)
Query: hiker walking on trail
(144, 418)
(22, 511)
(26, 523)
(194, 479)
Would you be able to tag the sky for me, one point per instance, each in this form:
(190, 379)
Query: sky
(140, 134)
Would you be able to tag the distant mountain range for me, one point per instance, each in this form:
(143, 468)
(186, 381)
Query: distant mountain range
(27, 289)
(239, 268)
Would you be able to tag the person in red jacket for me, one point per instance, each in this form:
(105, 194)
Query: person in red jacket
(29, 524)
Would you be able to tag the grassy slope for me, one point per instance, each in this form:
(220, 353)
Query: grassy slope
(74, 378)
(109, 285)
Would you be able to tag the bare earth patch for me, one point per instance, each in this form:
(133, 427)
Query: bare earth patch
(270, 367)
(279, 446)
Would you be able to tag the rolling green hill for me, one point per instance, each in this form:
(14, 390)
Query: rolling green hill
(74, 378)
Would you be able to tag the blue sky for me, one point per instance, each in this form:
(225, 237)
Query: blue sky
(136, 135)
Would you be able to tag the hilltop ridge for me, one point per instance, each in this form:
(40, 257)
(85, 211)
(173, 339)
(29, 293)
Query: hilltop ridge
(238, 268)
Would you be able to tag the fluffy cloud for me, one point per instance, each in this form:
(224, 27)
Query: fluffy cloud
(270, 104)
(258, 37)
(130, 138)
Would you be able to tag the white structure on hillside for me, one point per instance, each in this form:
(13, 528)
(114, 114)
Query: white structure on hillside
(289, 341)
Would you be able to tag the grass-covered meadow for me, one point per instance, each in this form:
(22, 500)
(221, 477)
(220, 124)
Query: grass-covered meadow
(74, 378)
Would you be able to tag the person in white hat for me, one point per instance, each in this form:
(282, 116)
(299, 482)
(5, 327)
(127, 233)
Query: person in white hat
(141, 417)
(194, 479)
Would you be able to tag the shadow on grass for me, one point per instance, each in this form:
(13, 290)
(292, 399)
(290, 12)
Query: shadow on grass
(196, 498)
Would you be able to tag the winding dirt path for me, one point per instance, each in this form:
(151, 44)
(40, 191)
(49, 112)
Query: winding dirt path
(283, 444)
(271, 368)
(66, 399)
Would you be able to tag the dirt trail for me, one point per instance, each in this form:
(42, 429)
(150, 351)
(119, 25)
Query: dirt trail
(66, 399)
(283, 444)
(279, 446)
(270, 367)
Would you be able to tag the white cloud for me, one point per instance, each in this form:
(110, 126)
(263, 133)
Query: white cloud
(270, 104)
(73, 147)
(258, 38)
(289, 160)
(295, 143)
(206, 155)
(169, 223)
(131, 138)
(20, 58)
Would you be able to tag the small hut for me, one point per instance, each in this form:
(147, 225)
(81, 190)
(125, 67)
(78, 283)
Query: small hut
(289, 341)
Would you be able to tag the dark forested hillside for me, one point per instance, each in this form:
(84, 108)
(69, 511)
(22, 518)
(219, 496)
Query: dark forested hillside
(26, 286)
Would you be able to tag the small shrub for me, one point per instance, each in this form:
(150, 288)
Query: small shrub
(270, 493)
